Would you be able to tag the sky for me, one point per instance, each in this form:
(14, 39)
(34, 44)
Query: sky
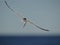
(44, 13)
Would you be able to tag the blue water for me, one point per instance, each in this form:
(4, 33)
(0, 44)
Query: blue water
(29, 40)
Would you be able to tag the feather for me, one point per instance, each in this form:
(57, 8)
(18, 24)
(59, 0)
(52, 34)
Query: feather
(9, 7)
(37, 26)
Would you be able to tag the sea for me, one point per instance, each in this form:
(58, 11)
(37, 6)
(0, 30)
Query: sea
(29, 40)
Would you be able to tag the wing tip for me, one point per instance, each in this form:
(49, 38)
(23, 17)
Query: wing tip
(5, 1)
(46, 30)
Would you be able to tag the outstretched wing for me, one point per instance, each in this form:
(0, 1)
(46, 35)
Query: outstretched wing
(12, 9)
(9, 7)
(37, 26)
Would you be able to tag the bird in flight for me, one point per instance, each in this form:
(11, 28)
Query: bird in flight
(25, 20)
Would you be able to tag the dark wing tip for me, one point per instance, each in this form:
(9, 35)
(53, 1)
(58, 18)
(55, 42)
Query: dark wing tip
(45, 29)
(5, 1)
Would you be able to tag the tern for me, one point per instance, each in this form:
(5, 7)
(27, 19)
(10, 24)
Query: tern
(25, 20)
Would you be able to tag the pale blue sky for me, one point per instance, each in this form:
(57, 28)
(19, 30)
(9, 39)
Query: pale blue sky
(45, 13)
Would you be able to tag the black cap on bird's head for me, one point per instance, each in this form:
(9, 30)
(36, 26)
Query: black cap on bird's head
(24, 20)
